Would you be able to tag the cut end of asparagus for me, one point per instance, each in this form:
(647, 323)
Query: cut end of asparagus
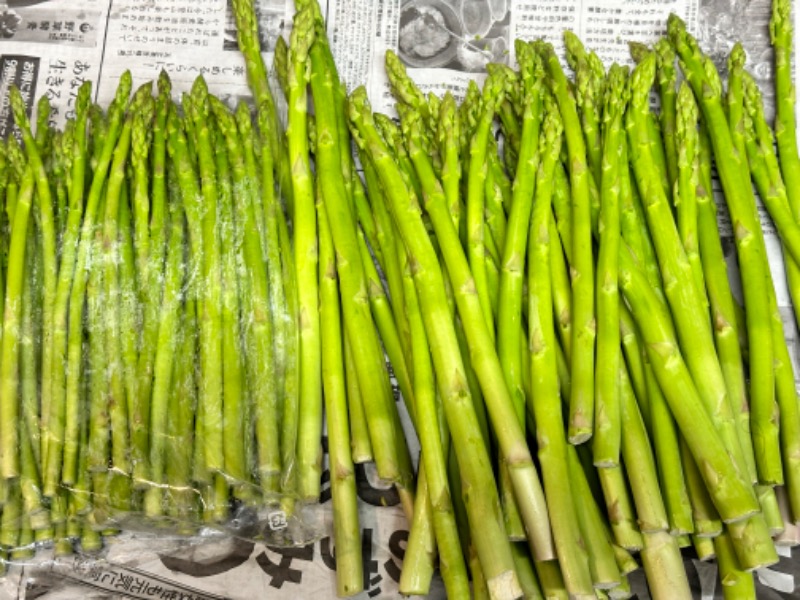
(505, 585)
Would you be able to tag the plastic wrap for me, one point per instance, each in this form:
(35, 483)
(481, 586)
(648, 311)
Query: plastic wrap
(148, 358)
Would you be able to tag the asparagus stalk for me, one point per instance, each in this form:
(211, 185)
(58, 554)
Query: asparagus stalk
(683, 294)
(486, 363)
(513, 263)
(258, 336)
(349, 577)
(388, 443)
(493, 92)
(546, 404)
(128, 321)
(71, 293)
(9, 356)
(388, 243)
(233, 384)
(589, 91)
(483, 508)
(156, 234)
(291, 377)
(767, 175)
(750, 248)
(582, 361)
(665, 58)
(432, 440)
(98, 437)
(305, 245)
(211, 321)
(723, 306)
(117, 407)
(608, 434)
(421, 550)
(29, 482)
(182, 406)
(250, 46)
(47, 237)
(781, 33)
(687, 184)
(732, 494)
(141, 141)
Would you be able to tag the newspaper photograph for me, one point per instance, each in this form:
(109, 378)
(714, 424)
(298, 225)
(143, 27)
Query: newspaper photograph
(51, 47)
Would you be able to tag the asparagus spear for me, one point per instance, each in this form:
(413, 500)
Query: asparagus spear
(750, 248)
(29, 482)
(732, 494)
(74, 293)
(781, 33)
(493, 92)
(665, 58)
(349, 579)
(432, 429)
(582, 361)
(305, 244)
(388, 443)
(9, 358)
(552, 447)
(211, 396)
(47, 237)
(152, 278)
(233, 378)
(767, 175)
(484, 514)
(146, 292)
(684, 295)
(250, 46)
(589, 83)
(258, 336)
(607, 435)
(513, 263)
(117, 407)
(182, 406)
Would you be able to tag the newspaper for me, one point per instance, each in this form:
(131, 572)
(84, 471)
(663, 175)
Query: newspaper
(50, 47)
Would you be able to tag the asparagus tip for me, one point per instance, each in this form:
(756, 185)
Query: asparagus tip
(638, 51)
(642, 80)
(164, 84)
(576, 52)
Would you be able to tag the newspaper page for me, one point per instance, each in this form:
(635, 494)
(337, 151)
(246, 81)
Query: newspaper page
(50, 47)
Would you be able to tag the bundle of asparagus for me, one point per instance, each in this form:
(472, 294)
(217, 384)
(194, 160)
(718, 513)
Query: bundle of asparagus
(197, 287)
(630, 318)
(150, 341)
